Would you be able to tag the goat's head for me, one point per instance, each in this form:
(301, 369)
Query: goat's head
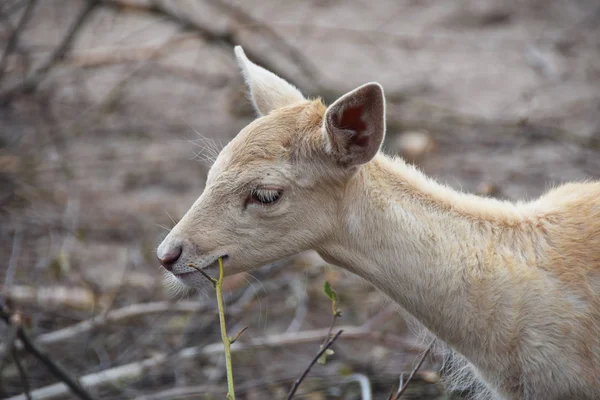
(278, 187)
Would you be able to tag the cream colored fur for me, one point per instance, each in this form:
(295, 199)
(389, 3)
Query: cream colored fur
(514, 288)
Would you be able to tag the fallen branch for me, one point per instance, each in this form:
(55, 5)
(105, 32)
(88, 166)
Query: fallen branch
(69, 382)
(313, 362)
(119, 316)
(135, 370)
(134, 311)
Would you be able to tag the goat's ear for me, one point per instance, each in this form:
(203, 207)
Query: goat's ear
(268, 91)
(354, 125)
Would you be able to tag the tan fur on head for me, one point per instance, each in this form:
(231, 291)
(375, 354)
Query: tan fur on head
(513, 288)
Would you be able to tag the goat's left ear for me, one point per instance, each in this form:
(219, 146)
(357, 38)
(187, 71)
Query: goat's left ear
(268, 91)
(354, 125)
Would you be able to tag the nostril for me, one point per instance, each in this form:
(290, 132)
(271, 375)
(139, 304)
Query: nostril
(168, 259)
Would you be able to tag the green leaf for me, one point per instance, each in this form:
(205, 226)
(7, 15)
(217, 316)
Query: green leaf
(332, 296)
(329, 291)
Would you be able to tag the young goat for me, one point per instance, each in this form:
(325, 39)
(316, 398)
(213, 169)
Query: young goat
(512, 287)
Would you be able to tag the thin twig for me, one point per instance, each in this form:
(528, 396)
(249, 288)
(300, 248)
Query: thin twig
(22, 375)
(11, 44)
(34, 79)
(314, 360)
(14, 256)
(333, 319)
(392, 391)
(210, 278)
(232, 341)
(403, 388)
(226, 39)
(54, 368)
(9, 342)
(7, 350)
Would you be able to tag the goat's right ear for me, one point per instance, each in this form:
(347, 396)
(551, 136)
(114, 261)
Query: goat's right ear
(354, 125)
(268, 91)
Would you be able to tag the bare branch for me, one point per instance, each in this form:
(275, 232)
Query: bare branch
(22, 374)
(314, 360)
(227, 39)
(54, 368)
(34, 79)
(331, 325)
(403, 387)
(14, 256)
(14, 37)
(9, 342)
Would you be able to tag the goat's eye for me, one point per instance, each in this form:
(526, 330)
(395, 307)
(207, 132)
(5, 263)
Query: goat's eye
(265, 196)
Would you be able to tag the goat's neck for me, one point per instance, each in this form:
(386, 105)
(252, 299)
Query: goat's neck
(410, 237)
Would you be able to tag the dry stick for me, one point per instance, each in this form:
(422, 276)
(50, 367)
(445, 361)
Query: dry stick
(14, 37)
(33, 80)
(54, 368)
(402, 389)
(238, 334)
(6, 350)
(22, 374)
(314, 360)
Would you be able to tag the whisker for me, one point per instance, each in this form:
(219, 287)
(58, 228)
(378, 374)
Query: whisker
(164, 227)
(260, 303)
(171, 218)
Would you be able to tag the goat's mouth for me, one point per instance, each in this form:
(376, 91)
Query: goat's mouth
(210, 268)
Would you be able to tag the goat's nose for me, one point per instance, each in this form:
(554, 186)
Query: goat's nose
(169, 258)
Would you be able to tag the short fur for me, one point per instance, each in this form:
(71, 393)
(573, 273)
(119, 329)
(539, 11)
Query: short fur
(513, 288)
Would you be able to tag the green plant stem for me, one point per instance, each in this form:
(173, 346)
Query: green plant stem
(224, 337)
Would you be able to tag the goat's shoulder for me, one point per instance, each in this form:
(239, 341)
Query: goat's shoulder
(570, 219)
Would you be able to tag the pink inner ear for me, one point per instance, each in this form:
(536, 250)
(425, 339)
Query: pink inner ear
(351, 119)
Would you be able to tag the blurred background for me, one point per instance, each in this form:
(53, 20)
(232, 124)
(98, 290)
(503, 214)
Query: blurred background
(112, 110)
